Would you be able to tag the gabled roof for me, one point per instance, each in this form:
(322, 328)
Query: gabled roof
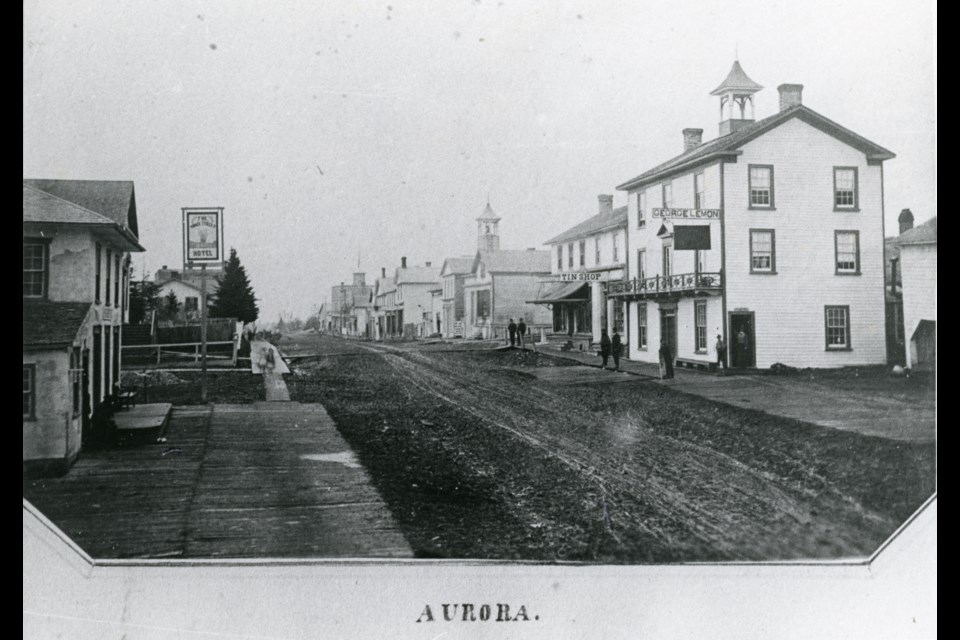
(736, 81)
(513, 261)
(418, 275)
(52, 324)
(384, 286)
(926, 233)
(113, 199)
(456, 266)
(597, 224)
(189, 285)
(728, 145)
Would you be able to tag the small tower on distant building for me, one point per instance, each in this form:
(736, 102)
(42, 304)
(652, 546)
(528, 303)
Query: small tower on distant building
(488, 232)
(736, 99)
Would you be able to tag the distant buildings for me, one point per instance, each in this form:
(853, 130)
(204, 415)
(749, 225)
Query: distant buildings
(918, 264)
(351, 307)
(77, 239)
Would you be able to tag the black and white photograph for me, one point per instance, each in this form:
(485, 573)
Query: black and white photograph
(479, 319)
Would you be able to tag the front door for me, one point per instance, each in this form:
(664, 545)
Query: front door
(97, 365)
(668, 329)
(85, 408)
(742, 342)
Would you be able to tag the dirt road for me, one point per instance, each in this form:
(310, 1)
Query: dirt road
(615, 472)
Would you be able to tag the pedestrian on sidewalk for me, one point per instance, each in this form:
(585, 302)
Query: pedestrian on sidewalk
(605, 345)
(666, 360)
(721, 355)
(521, 331)
(616, 349)
(512, 330)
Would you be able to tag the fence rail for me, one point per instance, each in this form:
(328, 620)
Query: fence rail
(178, 352)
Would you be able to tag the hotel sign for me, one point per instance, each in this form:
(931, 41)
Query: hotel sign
(709, 214)
(203, 235)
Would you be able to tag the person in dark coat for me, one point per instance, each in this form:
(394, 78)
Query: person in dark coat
(721, 354)
(666, 360)
(521, 331)
(512, 330)
(616, 349)
(605, 345)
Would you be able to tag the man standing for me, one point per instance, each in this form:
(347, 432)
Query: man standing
(617, 349)
(512, 330)
(666, 360)
(721, 354)
(604, 347)
(521, 331)
(742, 348)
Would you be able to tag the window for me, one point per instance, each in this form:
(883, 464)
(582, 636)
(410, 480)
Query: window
(583, 253)
(96, 294)
(641, 264)
(106, 293)
(191, 304)
(667, 189)
(698, 199)
(698, 261)
(700, 325)
(845, 195)
(596, 250)
(847, 246)
(483, 303)
(641, 208)
(559, 257)
(616, 247)
(642, 325)
(667, 260)
(763, 257)
(618, 316)
(761, 186)
(837, 327)
(570, 255)
(34, 269)
(76, 376)
(116, 285)
(29, 391)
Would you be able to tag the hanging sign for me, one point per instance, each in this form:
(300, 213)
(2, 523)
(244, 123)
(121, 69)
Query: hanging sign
(203, 235)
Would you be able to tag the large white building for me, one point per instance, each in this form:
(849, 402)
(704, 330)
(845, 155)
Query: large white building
(770, 235)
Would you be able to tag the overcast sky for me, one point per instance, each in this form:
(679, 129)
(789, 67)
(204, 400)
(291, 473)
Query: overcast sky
(336, 131)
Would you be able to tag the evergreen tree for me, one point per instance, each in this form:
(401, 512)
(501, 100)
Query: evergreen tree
(144, 298)
(234, 297)
(170, 307)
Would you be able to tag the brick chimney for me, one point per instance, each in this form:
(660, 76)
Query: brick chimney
(606, 203)
(383, 272)
(906, 220)
(692, 138)
(791, 95)
(427, 264)
(403, 262)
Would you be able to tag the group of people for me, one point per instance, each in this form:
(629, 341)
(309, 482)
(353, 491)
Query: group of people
(516, 332)
(611, 347)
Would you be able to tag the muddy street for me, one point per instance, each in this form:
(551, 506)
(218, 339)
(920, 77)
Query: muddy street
(479, 456)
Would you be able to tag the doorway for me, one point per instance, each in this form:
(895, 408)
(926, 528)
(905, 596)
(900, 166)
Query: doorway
(742, 340)
(668, 329)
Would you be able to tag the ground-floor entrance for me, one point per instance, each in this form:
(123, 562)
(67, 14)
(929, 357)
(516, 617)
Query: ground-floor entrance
(742, 339)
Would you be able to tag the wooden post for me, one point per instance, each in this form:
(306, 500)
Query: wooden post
(203, 333)
(158, 355)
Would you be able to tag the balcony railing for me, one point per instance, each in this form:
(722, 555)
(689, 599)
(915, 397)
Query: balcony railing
(677, 283)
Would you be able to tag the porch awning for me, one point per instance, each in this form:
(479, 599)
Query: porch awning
(563, 292)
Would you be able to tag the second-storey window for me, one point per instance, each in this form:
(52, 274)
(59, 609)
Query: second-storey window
(641, 208)
(29, 391)
(570, 255)
(106, 293)
(559, 257)
(116, 284)
(641, 264)
(845, 188)
(698, 199)
(99, 258)
(34, 269)
(616, 247)
(667, 189)
(667, 260)
(700, 325)
(847, 247)
(583, 253)
(763, 258)
(596, 250)
(761, 186)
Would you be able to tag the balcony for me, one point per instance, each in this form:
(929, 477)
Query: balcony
(674, 285)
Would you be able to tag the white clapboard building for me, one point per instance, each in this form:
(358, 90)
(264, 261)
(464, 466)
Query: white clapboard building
(770, 235)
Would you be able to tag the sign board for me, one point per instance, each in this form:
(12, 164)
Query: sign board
(691, 237)
(710, 214)
(579, 277)
(203, 235)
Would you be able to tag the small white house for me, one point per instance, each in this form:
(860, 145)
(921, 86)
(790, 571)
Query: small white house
(918, 265)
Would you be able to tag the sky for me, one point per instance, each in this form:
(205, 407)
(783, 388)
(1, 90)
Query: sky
(340, 136)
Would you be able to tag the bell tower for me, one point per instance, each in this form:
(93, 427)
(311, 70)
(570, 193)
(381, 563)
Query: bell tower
(488, 233)
(736, 99)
